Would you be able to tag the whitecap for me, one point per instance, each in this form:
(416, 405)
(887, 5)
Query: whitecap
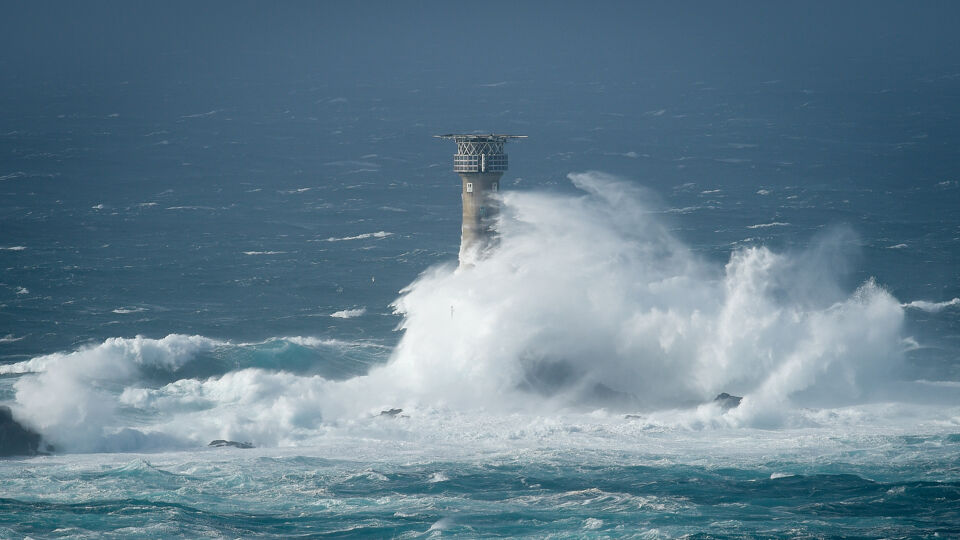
(592, 523)
(931, 307)
(441, 524)
(364, 236)
(348, 313)
(766, 225)
(13, 248)
(685, 209)
(200, 115)
(128, 310)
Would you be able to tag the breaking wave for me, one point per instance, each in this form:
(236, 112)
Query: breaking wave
(589, 304)
(932, 307)
(349, 313)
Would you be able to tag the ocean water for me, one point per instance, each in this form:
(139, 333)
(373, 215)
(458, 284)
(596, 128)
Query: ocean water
(197, 248)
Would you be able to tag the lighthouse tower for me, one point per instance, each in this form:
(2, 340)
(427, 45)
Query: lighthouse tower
(480, 161)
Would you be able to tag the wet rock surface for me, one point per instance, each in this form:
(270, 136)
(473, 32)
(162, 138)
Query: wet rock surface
(220, 443)
(17, 440)
(727, 401)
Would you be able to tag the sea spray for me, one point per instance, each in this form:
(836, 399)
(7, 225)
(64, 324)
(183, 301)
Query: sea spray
(590, 303)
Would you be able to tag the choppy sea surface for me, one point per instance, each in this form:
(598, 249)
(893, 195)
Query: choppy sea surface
(282, 270)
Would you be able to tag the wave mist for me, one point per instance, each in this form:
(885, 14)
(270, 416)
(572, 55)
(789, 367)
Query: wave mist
(589, 303)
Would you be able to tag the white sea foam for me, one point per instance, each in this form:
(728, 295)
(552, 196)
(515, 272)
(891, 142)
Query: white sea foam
(633, 315)
(71, 397)
(931, 307)
(263, 252)
(326, 342)
(364, 236)
(13, 248)
(438, 477)
(592, 524)
(686, 209)
(348, 313)
(590, 307)
(128, 310)
(767, 225)
(11, 176)
(200, 115)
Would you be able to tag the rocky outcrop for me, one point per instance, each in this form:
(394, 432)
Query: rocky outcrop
(220, 443)
(17, 440)
(727, 402)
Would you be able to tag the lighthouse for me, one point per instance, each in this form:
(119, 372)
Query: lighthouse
(480, 161)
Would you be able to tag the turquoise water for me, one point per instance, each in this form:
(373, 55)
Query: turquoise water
(401, 490)
(261, 247)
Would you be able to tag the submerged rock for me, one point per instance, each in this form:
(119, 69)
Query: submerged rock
(727, 402)
(220, 443)
(17, 440)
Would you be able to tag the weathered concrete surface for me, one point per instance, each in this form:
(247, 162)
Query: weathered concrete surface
(481, 206)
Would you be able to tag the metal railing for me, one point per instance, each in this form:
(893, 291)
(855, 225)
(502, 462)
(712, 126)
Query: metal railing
(467, 163)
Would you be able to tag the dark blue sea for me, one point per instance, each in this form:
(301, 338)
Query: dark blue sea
(231, 221)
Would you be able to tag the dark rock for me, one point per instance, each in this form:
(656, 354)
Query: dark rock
(17, 440)
(727, 402)
(391, 412)
(220, 443)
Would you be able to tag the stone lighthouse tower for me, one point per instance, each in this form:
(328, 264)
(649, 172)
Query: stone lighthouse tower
(480, 161)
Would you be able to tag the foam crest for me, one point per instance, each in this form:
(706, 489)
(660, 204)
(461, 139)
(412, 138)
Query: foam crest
(589, 303)
(142, 393)
(932, 307)
(72, 396)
